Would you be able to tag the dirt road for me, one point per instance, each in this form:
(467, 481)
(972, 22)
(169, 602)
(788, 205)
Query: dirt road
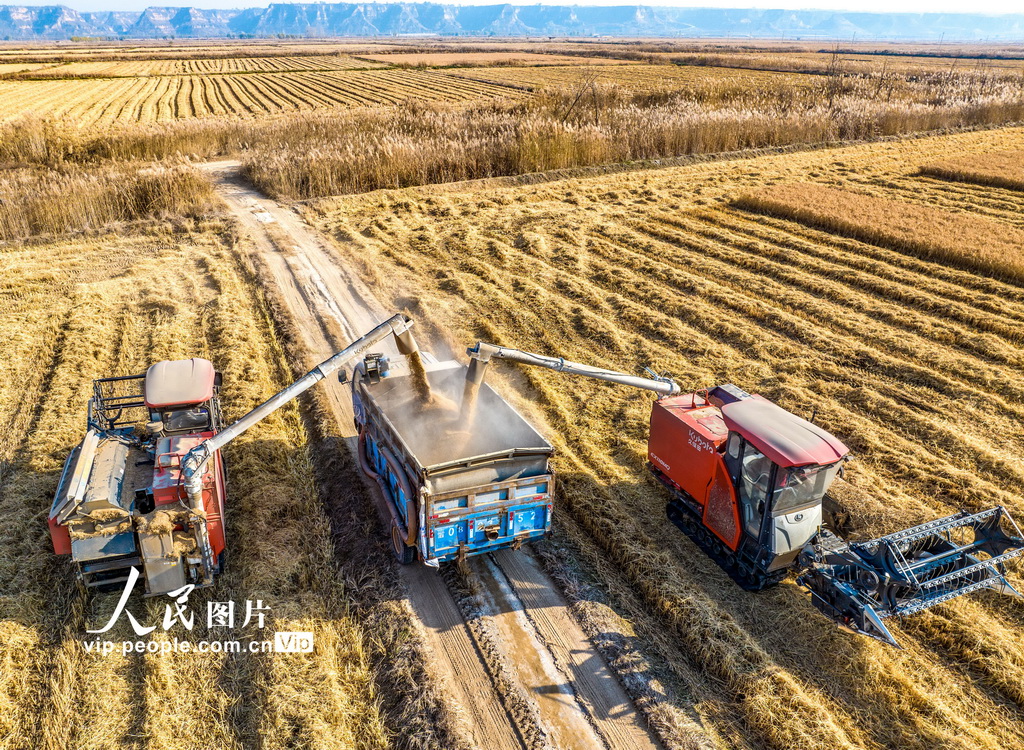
(517, 665)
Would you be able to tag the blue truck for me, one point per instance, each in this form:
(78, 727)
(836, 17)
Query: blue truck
(458, 479)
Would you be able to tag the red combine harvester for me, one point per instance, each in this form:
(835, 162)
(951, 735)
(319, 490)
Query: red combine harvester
(746, 480)
(147, 486)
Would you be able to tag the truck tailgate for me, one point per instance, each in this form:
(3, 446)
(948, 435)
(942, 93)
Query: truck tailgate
(480, 519)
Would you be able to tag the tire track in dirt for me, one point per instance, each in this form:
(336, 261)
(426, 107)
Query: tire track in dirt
(335, 307)
(304, 274)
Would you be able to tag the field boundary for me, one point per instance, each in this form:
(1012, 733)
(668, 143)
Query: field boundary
(577, 173)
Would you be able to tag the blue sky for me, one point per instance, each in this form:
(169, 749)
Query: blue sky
(908, 6)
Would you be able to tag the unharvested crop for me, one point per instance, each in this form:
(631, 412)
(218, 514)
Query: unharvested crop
(960, 239)
(913, 362)
(38, 201)
(479, 59)
(1001, 169)
(587, 124)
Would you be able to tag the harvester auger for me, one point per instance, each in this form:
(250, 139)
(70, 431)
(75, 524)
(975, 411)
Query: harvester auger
(746, 480)
(147, 486)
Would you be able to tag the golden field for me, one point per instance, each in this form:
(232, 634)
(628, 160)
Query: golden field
(876, 284)
(912, 362)
(959, 239)
(189, 67)
(633, 78)
(483, 59)
(1004, 169)
(97, 103)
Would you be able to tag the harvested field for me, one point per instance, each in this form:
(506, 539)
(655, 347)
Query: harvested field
(191, 67)
(959, 239)
(819, 62)
(483, 59)
(634, 77)
(913, 362)
(73, 311)
(110, 102)
(1004, 169)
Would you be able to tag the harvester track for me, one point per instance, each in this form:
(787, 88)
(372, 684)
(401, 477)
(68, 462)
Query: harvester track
(566, 696)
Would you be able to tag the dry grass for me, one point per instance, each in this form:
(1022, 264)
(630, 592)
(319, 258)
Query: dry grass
(589, 124)
(960, 239)
(112, 305)
(40, 201)
(1003, 169)
(914, 363)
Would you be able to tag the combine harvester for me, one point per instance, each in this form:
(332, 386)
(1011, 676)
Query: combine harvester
(146, 487)
(747, 479)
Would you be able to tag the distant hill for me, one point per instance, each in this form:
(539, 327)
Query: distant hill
(393, 19)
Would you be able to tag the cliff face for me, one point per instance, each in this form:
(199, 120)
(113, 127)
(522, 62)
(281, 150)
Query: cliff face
(389, 19)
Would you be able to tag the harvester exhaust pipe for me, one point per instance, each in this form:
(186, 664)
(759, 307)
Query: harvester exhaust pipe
(194, 462)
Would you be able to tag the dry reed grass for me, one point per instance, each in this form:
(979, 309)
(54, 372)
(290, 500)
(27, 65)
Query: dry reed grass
(590, 124)
(960, 239)
(39, 201)
(913, 363)
(1002, 169)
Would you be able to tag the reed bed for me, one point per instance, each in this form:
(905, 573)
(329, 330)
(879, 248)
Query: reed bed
(961, 239)
(40, 201)
(1003, 169)
(592, 125)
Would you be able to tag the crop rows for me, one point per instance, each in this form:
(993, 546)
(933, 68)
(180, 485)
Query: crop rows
(960, 239)
(1001, 169)
(121, 101)
(635, 77)
(139, 68)
(914, 363)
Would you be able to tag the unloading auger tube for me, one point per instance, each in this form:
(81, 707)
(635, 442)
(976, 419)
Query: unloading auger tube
(482, 353)
(194, 462)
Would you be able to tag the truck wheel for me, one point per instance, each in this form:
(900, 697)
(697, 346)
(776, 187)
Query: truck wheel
(403, 553)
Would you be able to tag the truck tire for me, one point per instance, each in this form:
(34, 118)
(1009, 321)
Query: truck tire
(402, 552)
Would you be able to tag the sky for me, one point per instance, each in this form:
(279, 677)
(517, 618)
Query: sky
(898, 6)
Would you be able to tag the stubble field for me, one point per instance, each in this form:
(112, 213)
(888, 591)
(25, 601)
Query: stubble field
(877, 286)
(912, 362)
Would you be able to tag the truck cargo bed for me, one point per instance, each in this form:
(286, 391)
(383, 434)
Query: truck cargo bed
(462, 487)
(435, 436)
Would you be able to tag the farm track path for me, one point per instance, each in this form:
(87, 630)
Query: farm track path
(573, 699)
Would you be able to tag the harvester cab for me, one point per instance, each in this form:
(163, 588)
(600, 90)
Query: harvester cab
(746, 476)
(146, 488)
(747, 480)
